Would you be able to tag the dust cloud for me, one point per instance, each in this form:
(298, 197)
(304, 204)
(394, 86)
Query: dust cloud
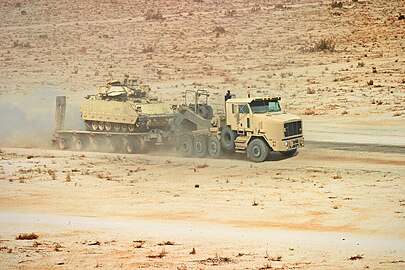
(29, 120)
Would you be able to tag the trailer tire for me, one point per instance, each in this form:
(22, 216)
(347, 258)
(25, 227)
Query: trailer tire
(63, 143)
(186, 145)
(289, 153)
(214, 147)
(133, 146)
(200, 146)
(97, 144)
(112, 146)
(79, 144)
(258, 150)
(228, 137)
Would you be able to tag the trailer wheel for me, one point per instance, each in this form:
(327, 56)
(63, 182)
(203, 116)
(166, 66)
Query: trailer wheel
(79, 144)
(258, 150)
(108, 126)
(200, 146)
(94, 125)
(133, 146)
(112, 146)
(214, 147)
(289, 153)
(228, 137)
(63, 143)
(186, 146)
(97, 144)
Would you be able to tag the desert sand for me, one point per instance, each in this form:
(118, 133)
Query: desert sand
(338, 204)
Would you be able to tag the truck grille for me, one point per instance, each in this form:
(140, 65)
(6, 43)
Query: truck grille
(293, 128)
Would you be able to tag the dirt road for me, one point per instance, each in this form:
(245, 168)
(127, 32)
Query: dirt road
(322, 209)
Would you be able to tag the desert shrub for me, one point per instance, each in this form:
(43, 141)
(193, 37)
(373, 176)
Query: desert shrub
(256, 8)
(27, 236)
(17, 43)
(230, 13)
(336, 4)
(153, 15)
(324, 44)
(148, 49)
(219, 29)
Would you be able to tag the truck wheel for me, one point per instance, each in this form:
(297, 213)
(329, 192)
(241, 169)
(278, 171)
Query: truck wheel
(289, 153)
(228, 137)
(258, 150)
(186, 146)
(200, 146)
(214, 147)
(210, 111)
(133, 146)
(202, 111)
(63, 143)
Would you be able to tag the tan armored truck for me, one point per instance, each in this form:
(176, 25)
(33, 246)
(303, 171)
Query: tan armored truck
(124, 107)
(253, 125)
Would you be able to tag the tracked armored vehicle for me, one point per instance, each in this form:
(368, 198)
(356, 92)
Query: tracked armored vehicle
(124, 107)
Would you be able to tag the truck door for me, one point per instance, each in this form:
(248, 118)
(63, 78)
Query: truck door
(244, 117)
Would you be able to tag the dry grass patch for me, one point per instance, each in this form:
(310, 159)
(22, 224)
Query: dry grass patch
(27, 236)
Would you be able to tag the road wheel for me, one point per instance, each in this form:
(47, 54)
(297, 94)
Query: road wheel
(200, 146)
(117, 127)
(289, 153)
(108, 126)
(214, 147)
(124, 127)
(94, 125)
(228, 137)
(186, 145)
(131, 128)
(133, 146)
(258, 150)
(63, 143)
(101, 125)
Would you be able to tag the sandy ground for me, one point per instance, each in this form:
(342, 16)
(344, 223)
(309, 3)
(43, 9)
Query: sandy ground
(338, 204)
(313, 211)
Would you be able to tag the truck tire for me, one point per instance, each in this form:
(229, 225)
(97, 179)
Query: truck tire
(228, 137)
(133, 146)
(200, 146)
(210, 112)
(214, 147)
(258, 150)
(289, 153)
(202, 111)
(186, 145)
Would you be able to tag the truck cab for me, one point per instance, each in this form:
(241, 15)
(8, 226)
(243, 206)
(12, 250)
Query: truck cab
(258, 125)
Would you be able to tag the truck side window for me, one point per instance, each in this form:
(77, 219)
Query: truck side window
(243, 108)
(233, 108)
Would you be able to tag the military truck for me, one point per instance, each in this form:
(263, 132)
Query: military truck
(255, 126)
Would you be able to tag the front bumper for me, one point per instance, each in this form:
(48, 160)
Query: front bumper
(294, 143)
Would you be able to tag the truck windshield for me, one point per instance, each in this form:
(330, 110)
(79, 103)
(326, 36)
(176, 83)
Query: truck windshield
(264, 106)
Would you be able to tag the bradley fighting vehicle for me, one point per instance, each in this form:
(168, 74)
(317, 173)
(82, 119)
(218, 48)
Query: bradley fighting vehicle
(124, 107)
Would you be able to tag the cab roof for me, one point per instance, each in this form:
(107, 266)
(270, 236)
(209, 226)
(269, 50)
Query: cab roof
(248, 100)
